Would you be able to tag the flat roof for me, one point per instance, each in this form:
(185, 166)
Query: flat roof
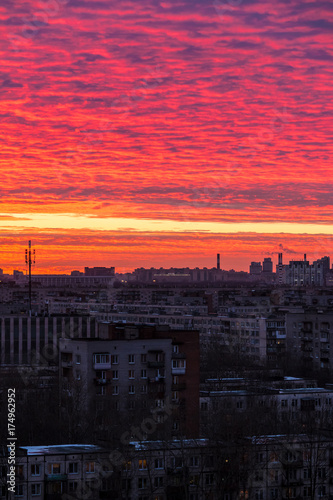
(61, 449)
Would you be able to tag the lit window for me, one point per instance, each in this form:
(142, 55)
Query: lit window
(90, 467)
(142, 464)
(54, 468)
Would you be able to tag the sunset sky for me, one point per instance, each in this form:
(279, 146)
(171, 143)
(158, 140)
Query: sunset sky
(151, 133)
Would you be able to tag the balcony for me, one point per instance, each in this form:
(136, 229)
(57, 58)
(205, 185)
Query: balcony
(156, 364)
(178, 355)
(178, 370)
(56, 477)
(102, 366)
(66, 364)
(156, 380)
(102, 381)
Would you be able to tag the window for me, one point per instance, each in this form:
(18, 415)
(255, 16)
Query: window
(19, 471)
(35, 470)
(131, 389)
(131, 404)
(209, 480)
(19, 490)
(259, 495)
(115, 374)
(35, 489)
(101, 391)
(78, 359)
(159, 463)
(294, 402)
(115, 390)
(204, 406)
(102, 358)
(194, 479)
(114, 359)
(321, 491)
(54, 468)
(142, 464)
(143, 358)
(284, 402)
(175, 349)
(307, 473)
(143, 389)
(322, 473)
(77, 374)
(178, 363)
(72, 486)
(131, 358)
(158, 482)
(131, 374)
(259, 458)
(143, 373)
(142, 483)
(73, 468)
(90, 467)
(176, 462)
(239, 404)
(307, 491)
(194, 461)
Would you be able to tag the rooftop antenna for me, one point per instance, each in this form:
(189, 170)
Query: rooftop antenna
(30, 259)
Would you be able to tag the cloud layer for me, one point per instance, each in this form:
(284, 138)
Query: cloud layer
(192, 110)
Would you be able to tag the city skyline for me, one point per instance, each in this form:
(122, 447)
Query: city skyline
(165, 132)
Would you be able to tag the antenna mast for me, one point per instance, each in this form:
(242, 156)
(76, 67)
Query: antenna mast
(30, 258)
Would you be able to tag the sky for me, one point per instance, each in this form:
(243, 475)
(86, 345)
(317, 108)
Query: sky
(159, 133)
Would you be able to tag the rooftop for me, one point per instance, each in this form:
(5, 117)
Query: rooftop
(61, 449)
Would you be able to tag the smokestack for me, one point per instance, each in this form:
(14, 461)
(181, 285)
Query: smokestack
(304, 257)
(280, 258)
(218, 261)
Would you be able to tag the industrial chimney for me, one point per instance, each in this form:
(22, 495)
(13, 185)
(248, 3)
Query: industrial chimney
(218, 261)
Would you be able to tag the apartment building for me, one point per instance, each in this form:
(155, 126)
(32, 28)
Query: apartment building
(26, 340)
(59, 472)
(310, 335)
(286, 400)
(134, 372)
